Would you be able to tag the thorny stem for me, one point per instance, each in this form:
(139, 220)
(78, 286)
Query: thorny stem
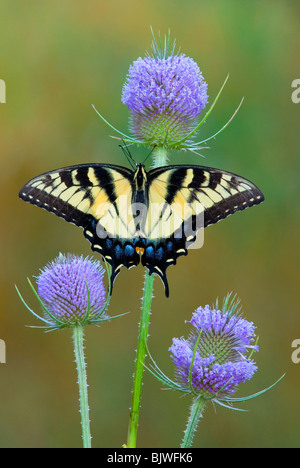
(196, 412)
(82, 383)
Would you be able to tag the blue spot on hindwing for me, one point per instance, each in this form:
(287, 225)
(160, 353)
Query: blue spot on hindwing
(149, 252)
(118, 251)
(129, 251)
(159, 253)
(169, 246)
(108, 243)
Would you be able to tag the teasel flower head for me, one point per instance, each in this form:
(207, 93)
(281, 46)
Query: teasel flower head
(71, 292)
(214, 360)
(165, 93)
(216, 357)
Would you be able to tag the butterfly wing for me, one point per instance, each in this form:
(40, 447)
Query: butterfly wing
(183, 199)
(178, 200)
(96, 197)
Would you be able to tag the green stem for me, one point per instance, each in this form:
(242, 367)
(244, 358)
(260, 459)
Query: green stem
(160, 157)
(140, 359)
(196, 412)
(82, 383)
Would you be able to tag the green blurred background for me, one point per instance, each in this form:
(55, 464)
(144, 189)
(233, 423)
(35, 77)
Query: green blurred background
(57, 58)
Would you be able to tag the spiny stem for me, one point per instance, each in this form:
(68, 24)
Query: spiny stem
(140, 359)
(196, 412)
(82, 383)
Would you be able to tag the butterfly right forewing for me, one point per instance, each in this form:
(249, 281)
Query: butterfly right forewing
(218, 193)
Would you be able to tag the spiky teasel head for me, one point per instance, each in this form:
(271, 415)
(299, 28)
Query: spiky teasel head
(165, 93)
(213, 361)
(71, 292)
(71, 288)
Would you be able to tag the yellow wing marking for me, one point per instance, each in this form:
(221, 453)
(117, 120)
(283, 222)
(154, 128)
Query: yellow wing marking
(116, 218)
(163, 219)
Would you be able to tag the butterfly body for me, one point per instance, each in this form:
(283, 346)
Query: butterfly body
(138, 216)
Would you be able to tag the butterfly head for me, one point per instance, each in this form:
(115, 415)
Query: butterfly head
(140, 177)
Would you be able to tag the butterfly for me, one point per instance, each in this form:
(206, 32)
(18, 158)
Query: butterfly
(132, 216)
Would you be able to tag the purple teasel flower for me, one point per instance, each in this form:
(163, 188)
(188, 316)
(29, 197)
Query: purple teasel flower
(71, 288)
(165, 97)
(70, 292)
(212, 362)
(165, 93)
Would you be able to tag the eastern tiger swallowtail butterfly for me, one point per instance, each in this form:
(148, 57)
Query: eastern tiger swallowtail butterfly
(132, 216)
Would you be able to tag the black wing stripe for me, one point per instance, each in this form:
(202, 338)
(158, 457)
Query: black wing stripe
(106, 182)
(214, 180)
(175, 183)
(198, 179)
(66, 178)
(82, 177)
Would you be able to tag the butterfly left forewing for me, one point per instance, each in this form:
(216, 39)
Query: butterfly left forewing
(61, 193)
(93, 197)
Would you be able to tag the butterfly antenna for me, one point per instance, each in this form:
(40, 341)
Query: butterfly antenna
(149, 154)
(128, 155)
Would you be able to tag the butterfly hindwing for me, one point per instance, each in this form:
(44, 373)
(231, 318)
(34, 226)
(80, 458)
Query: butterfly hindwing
(149, 216)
